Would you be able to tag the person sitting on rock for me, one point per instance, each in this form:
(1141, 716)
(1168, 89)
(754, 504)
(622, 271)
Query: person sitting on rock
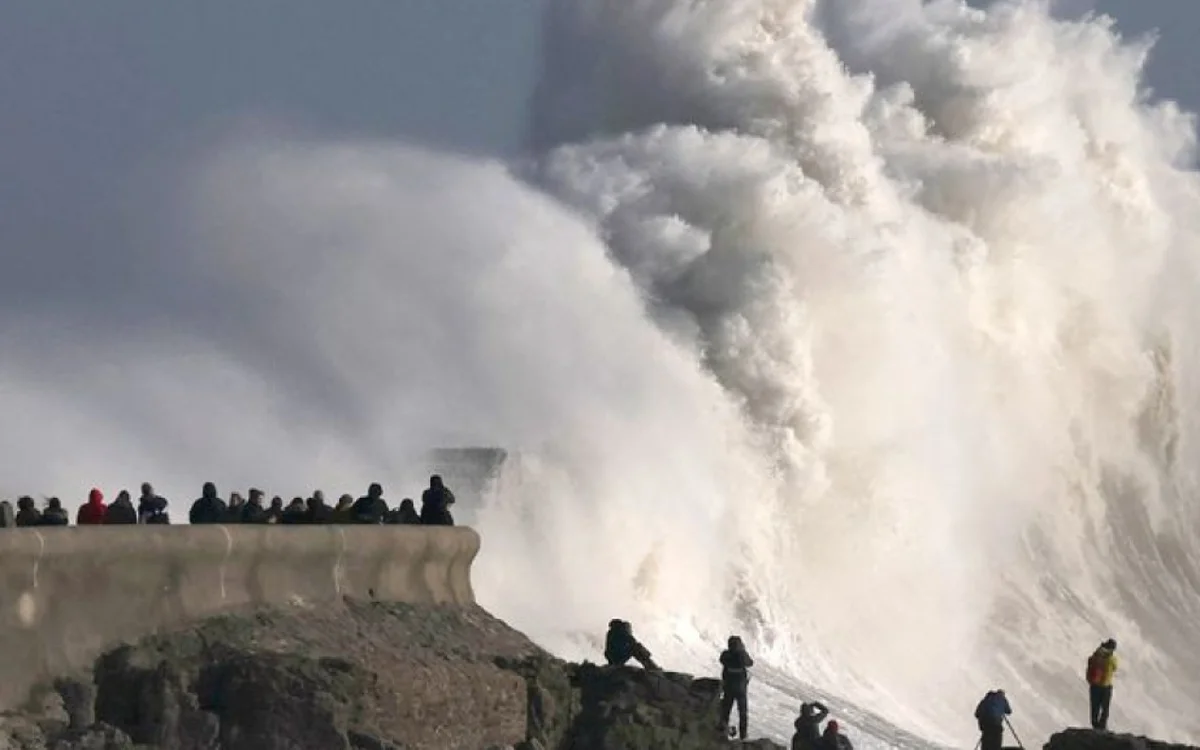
(27, 512)
(833, 739)
(208, 508)
(620, 646)
(991, 713)
(406, 514)
(253, 511)
(436, 502)
(152, 508)
(92, 513)
(371, 507)
(121, 511)
(55, 514)
(808, 726)
(735, 680)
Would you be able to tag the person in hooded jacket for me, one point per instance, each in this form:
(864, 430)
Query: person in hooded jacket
(1101, 669)
(436, 502)
(275, 510)
(27, 512)
(93, 512)
(833, 739)
(371, 507)
(152, 508)
(406, 514)
(735, 681)
(55, 514)
(318, 512)
(991, 713)
(808, 726)
(343, 512)
(121, 511)
(253, 511)
(236, 508)
(296, 512)
(208, 508)
(620, 646)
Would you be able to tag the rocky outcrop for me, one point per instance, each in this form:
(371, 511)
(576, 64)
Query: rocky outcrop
(360, 676)
(1088, 739)
(637, 710)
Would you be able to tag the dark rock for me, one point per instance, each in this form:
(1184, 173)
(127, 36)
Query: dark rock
(589, 707)
(78, 701)
(360, 741)
(326, 695)
(1090, 739)
(363, 676)
(360, 676)
(98, 737)
(152, 701)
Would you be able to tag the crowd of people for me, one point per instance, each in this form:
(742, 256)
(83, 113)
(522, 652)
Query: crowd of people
(210, 508)
(991, 713)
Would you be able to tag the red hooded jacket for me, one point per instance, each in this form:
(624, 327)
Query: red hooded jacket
(95, 510)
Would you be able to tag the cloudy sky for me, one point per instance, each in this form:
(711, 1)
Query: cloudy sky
(93, 92)
(88, 88)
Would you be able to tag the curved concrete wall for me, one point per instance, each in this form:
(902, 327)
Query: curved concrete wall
(68, 593)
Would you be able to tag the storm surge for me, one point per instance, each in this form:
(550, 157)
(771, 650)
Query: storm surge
(940, 262)
(862, 329)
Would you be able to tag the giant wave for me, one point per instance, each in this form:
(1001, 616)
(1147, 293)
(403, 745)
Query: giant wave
(861, 328)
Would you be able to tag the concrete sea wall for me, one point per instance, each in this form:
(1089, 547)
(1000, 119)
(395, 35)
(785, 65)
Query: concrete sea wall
(66, 594)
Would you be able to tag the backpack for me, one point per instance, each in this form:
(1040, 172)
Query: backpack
(1096, 665)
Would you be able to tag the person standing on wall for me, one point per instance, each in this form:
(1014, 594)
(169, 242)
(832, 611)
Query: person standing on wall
(1101, 669)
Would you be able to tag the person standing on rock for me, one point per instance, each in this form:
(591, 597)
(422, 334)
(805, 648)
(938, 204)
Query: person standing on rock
(833, 739)
(991, 714)
(808, 726)
(735, 681)
(1101, 668)
(620, 646)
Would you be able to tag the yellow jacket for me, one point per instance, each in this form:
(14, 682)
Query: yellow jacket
(1110, 666)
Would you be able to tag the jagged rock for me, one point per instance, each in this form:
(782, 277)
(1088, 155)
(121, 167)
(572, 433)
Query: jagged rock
(20, 733)
(360, 741)
(632, 709)
(362, 676)
(78, 701)
(98, 737)
(1089, 739)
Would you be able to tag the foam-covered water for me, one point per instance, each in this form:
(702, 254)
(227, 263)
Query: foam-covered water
(863, 329)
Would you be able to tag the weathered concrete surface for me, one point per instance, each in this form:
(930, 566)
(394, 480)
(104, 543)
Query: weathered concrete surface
(67, 593)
